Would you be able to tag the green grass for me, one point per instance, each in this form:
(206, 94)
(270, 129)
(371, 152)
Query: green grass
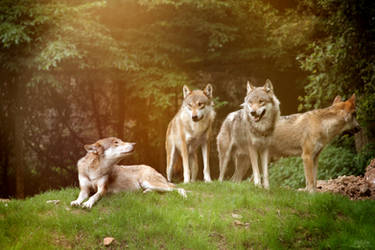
(278, 218)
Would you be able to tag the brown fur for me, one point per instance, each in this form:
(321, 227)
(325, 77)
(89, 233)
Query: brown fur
(306, 134)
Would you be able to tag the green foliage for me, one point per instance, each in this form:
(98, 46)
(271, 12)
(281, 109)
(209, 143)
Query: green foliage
(103, 68)
(363, 158)
(287, 172)
(334, 161)
(274, 219)
(339, 61)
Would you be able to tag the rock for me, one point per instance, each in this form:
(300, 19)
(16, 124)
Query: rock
(108, 241)
(243, 224)
(53, 202)
(236, 216)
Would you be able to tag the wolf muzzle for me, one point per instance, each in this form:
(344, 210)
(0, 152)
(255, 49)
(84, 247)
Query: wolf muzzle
(196, 118)
(257, 117)
(352, 131)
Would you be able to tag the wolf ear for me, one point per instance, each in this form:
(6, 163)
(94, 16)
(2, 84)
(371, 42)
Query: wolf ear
(186, 91)
(337, 99)
(352, 99)
(208, 90)
(250, 87)
(268, 87)
(93, 148)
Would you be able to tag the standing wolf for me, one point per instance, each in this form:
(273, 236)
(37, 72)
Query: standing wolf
(246, 133)
(189, 129)
(307, 133)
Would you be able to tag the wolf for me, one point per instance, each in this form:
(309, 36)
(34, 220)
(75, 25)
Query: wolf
(246, 133)
(190, 129)
(98, 171)
(306, 134)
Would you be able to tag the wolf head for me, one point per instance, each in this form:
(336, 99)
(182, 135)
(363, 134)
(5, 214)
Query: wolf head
(260, 100)
(197, 102)
(346, 113)
(111, 149)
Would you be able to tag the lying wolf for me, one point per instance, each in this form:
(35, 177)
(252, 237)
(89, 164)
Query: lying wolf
(98, 171)
(306, 134)
(188, 130)
(246, 133)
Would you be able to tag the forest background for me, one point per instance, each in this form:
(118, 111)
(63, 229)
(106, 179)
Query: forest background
(74, 71)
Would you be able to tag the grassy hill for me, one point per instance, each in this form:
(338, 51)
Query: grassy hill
(215, 216)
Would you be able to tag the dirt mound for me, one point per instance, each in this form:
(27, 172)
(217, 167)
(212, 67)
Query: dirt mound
(355, 187)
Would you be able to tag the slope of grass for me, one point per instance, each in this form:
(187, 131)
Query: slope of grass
(215, 216)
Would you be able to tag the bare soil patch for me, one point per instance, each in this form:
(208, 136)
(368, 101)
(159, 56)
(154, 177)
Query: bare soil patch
(355, 187)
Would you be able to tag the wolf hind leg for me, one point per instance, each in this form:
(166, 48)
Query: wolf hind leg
(224, 157)
(242, 165)
(193, 161)
(171, 160)
(161, 187)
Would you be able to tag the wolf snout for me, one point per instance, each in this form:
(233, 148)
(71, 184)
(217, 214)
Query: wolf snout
(195, 118)
(352, 131)
(356, 129)
(257, 115)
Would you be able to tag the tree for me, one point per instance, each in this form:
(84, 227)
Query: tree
(340, 60)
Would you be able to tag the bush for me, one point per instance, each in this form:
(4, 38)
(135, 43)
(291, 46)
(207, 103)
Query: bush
(363, 158)
(334, 161)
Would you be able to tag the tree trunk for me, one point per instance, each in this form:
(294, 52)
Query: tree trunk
(95, 109)
(361, 140)
(4, 176)
(19, 93)
(120, 109)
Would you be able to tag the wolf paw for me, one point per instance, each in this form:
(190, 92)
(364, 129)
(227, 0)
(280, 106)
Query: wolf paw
(88, 204)
(182, 192)
(207, 180)
(75, 203)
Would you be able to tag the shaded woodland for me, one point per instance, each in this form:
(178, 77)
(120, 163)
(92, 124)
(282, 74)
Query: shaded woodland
(73, 71)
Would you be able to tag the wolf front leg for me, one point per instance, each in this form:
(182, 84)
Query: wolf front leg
(84, 185)
(308, 164)
(264, 158)
(206, 160)
(315, 169)
(254, 164)
(185, 161)
(101, 190)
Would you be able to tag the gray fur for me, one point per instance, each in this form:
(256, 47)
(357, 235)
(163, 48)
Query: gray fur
(246, 138)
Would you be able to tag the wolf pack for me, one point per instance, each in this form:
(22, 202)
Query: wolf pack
(254, 135)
